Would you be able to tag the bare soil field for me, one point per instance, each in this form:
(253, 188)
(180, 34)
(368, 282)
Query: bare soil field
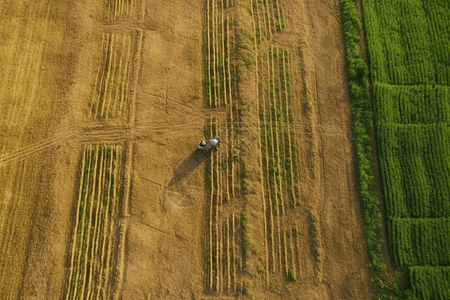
(103, 191)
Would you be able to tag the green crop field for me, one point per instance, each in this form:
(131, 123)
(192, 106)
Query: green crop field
(409, 52)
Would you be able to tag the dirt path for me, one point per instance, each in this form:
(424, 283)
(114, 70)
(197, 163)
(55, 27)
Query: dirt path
(104, 194)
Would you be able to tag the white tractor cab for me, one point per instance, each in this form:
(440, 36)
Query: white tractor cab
(210, 145)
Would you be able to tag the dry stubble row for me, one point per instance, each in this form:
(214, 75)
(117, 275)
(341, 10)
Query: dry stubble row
(219, 79)
(268, 17)
(93, 254)
(279, 158)
(222, 261)
(99, 233)
(224, 176)
(117, 69)
(222, 242)
(119, 10)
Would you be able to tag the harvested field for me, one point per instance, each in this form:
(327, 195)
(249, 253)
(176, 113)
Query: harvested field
(104, 193)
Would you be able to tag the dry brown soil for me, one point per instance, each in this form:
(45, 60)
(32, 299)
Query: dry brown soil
(125, 78)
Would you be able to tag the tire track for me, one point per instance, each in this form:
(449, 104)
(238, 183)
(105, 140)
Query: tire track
(91, 135)
(124, 133)
(29, 150)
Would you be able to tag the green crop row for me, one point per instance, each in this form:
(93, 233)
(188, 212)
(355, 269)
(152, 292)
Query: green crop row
(419, 104)
(407, 41)
(438, 16)
(422, 242)
(415, 169)
(408, 44)
(362, 124)
(430, 282)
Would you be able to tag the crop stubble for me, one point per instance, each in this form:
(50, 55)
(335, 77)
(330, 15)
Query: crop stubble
(97, 255)
(223, 255)
(279, 165)
(23, 43)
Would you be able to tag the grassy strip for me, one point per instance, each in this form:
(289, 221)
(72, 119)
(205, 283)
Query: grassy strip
(384, 286)
(245, 238)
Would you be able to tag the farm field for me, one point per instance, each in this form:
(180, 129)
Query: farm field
(410, 68)
(103, 193)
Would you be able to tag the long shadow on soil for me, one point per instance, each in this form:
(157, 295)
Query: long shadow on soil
(187, 166)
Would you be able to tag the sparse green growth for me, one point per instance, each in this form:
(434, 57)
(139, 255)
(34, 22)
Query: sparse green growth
(212, 128)
(245, 238)
(280, 163)
(248, 60)
(242, 180)
(274, 281)
(245, 289)
(233, 22)
(291, 276)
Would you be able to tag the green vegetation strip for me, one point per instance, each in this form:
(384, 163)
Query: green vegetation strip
(430, 282)
(361, 112)
(423, 242)
(245, 238)
(408, 41)
(408, 44)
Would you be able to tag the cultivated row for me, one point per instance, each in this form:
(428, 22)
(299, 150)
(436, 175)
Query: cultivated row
(117, 69)
(278, 150)
(408, 45)
(93, 255)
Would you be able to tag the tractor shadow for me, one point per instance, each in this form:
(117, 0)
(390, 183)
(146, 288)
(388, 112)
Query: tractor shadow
(186, 167)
